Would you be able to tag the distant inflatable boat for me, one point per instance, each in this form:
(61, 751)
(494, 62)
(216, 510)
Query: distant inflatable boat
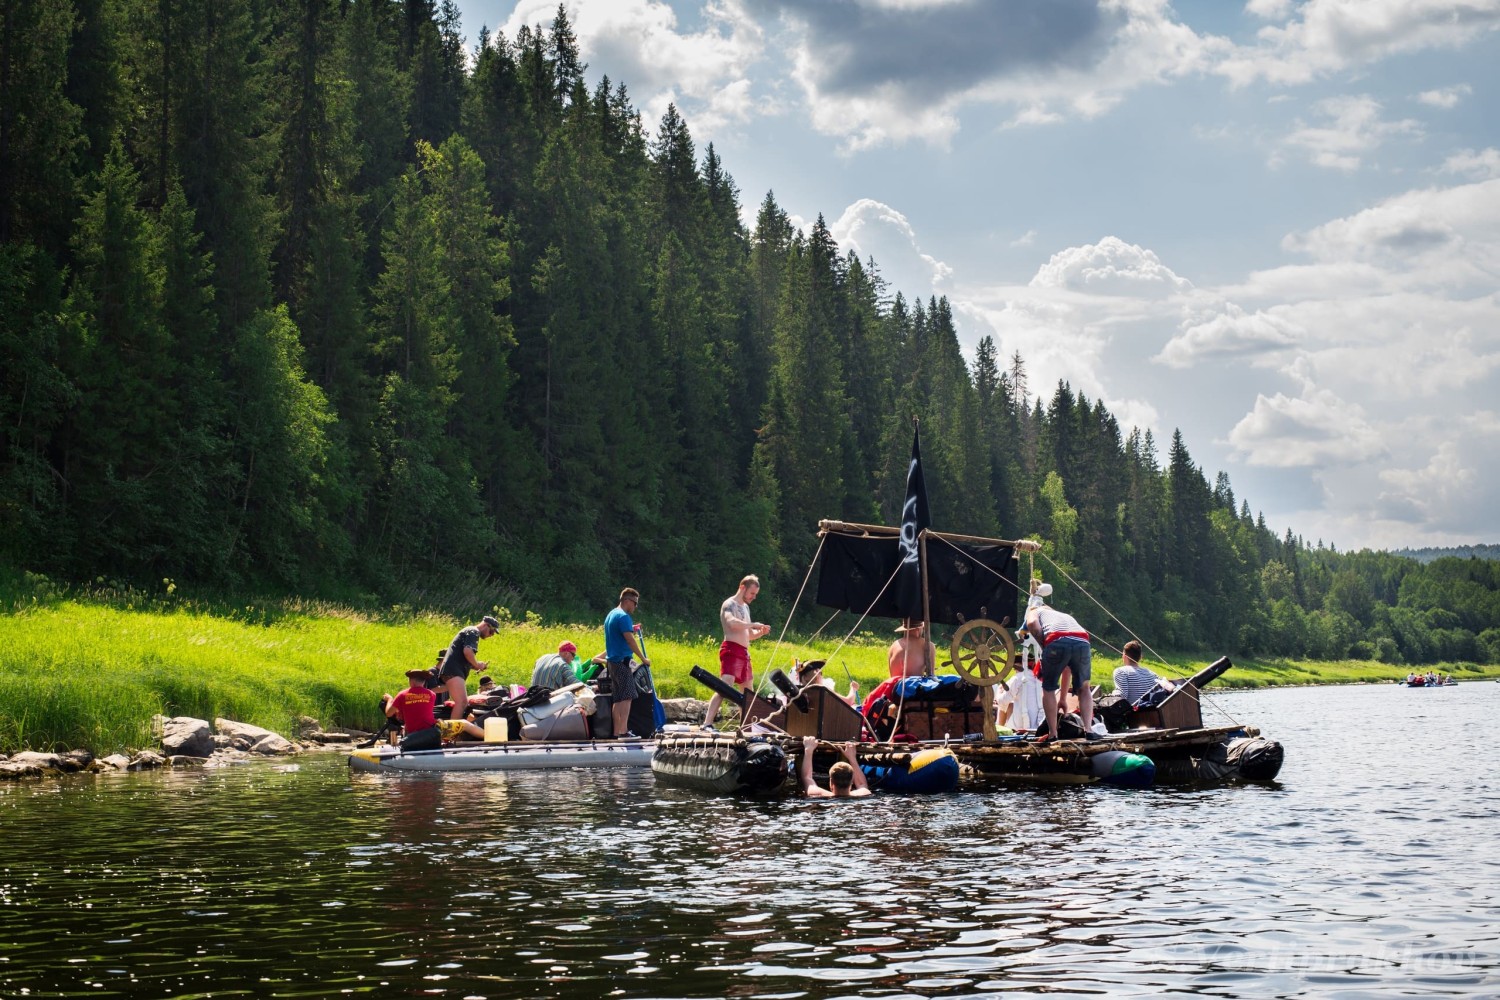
(514, 756)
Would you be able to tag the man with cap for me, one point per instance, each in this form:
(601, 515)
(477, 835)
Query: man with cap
(460, 659)
(556, 670)
(414, 707)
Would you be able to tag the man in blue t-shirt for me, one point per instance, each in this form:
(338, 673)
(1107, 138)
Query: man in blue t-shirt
(620, 644)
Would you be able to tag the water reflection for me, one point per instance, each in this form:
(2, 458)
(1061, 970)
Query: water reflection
(261, 882)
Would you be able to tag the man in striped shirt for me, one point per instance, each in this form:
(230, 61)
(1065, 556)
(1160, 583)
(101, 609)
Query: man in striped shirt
(1133, 681)
(1064, 644)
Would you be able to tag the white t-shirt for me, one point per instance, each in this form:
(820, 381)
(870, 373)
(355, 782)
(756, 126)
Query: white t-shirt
(1025, 695)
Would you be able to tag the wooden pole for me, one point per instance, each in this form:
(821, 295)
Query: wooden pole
(847, 527)
(931, 651)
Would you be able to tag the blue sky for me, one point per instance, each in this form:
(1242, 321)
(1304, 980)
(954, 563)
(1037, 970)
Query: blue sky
(1274, 225)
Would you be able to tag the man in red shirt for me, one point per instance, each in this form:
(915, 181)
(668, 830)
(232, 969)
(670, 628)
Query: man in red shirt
(414, 707)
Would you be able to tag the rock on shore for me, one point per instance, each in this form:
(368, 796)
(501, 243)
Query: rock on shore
(185, 742)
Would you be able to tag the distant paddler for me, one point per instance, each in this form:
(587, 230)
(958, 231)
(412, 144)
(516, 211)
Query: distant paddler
(740, 630)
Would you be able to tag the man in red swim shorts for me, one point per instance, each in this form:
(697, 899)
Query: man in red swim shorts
(739, 632)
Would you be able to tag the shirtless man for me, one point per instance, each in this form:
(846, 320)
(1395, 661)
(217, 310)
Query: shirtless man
(912, 655)
(739, 632)
(846, 780)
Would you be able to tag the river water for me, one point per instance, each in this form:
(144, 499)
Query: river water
(1370, 870)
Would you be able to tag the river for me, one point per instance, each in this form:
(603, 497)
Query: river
(1370, 870)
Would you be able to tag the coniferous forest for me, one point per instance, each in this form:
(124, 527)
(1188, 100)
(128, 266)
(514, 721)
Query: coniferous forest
(305, 295)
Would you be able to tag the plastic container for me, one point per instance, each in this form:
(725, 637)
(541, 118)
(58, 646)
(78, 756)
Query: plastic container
(496, 730)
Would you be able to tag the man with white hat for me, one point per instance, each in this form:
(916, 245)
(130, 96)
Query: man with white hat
(912, 655)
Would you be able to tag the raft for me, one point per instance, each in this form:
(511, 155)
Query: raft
(720, 765)
(929, 770)
(1235, 758)
(513, 756)
(1018, 760)
(765, 765)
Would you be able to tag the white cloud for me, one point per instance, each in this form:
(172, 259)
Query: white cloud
(873, 228)
(1230, 334)
(1483, 164)
(1059, 340)
(1352, 129)
(1269, 10)
(1447, 97)
(1078, 304)
(1026, 239)
(1446, 238)
(1316, 429)
(1444, 486)
(1326, 36)
(707, 72)
(1110, 267)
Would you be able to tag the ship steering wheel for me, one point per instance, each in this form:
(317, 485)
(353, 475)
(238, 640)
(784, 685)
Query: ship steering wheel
(984, 652)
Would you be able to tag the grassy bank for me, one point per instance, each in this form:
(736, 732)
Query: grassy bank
(90, 669)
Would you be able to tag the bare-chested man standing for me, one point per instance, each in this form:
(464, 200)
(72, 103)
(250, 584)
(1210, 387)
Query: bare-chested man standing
(739, 632)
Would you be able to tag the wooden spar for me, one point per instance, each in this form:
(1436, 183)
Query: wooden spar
(1020, 544)
(929, 649)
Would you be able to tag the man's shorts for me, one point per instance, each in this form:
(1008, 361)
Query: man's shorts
(734, 663)
(1058, 655)
(621, 681)
(451, 729)
(454, 666)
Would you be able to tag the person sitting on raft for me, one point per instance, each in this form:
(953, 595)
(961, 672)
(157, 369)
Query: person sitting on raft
(811, 673)
(415, 706)
(556, 670)
(845, 779)
(1133, 681)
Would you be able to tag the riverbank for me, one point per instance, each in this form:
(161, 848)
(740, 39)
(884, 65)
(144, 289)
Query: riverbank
(91, 673)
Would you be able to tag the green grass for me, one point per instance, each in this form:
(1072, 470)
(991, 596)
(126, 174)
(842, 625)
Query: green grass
(89, 668)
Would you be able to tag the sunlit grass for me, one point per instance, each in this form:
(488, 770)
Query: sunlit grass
(78, 673)
(89, 667)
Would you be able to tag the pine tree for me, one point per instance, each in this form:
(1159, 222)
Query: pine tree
(39, 126)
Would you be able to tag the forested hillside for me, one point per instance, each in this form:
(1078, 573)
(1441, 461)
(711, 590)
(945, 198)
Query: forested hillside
(1427, 555)
(304, 296)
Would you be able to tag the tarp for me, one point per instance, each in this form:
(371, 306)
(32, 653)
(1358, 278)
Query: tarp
(963, 579)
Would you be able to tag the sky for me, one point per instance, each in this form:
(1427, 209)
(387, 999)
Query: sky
(1273, 225)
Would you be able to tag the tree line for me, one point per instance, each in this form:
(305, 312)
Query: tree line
(303, 295)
